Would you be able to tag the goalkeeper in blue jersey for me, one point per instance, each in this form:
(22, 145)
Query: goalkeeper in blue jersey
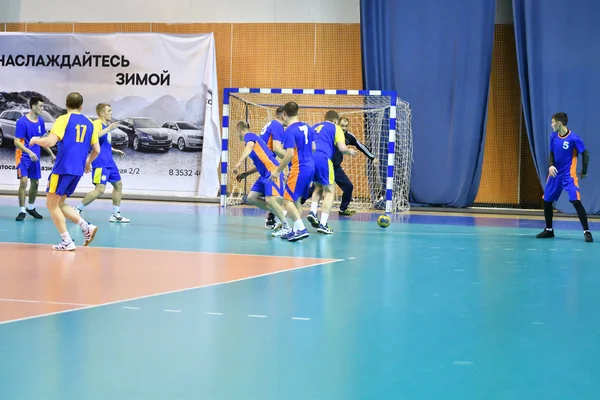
(565, 147)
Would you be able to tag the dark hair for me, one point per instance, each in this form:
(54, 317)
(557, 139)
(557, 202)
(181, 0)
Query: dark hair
(279, 111)
(35, 100)
(561, 117)
(74, 101)
(291, 109)
(243, 125)
(332, 116)
(344, 119)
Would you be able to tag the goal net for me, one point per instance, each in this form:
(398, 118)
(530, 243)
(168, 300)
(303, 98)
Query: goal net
(379, 120)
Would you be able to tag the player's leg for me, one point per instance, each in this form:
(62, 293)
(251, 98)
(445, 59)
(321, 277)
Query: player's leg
(256, 192)
(117, 183)
(295, 187)
(66, 187)
(99, 181)
(571, 186)
(35, 174)
(22, 194)
(274, 197)
(342, 180)
(315, 193)
(551, 194)
(328, 197)
(53, 203)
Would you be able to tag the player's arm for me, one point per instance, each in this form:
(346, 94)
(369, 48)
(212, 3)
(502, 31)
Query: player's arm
(353, 141)
(56, 134)
(340, 142)
(289, 154)
(245, 154)
(585, 156)
(95, 149)
(49, 151)
(246, 174)
(277, 136)
(109, 128)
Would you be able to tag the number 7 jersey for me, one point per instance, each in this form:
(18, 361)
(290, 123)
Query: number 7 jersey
(76, 134)
(299, 136)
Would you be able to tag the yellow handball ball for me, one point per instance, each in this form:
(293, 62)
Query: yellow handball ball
(383, 221)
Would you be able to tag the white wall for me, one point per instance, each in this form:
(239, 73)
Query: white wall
(173, 11)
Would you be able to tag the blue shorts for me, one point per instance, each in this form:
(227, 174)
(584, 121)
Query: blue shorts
(29, 169)
(324, 174)
(105, 174)
(62, 185)
(267, 187)
(298, 183)
(555, 186)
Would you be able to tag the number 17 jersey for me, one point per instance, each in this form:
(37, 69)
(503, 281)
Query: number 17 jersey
(76, 134)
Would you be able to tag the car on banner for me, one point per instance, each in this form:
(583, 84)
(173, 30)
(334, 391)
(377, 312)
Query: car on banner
(185, 135)
(8, 124)
(117, 138)
(146, 133)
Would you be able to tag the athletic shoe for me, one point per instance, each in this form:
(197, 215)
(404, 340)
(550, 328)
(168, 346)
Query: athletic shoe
(313, 219)
(34, 214)
(62, 246)
(117, 217)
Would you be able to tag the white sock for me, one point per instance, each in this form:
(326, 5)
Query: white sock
(22, 209)
(80, 206)
(66, 237)
(30, 207)
(314, 206)
(285, 225)
(324, 217)
(116, 209)
(84, 225)
(284, 213)
(299, 225)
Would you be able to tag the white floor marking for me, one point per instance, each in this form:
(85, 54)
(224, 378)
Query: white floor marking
(351, 258)
(87, 307)
(46, 302)
(257, 316)
(172, 310)
(214, 313)
(131, 308)
(301, 319)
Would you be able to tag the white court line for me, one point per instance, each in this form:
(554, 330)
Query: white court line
(171, 292)
(131, 308)
(46, 302)
(172, 251)
(172, 310)
(301, 319)
(257, 316)
(214, 313)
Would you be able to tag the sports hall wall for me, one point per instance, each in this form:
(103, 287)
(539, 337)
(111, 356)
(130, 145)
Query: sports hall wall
(315, 43)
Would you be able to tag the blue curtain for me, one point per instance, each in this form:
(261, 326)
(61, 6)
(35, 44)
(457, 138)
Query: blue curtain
(559, 68)
(438, 56)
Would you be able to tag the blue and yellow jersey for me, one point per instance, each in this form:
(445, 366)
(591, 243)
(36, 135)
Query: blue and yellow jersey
(273, 130)
(263, 158)
(327, 135)
(76, 134)
(24, 131)
(565, 150)
(105, 158)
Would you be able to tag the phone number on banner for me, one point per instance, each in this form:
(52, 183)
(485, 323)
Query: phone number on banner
(183, 172)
